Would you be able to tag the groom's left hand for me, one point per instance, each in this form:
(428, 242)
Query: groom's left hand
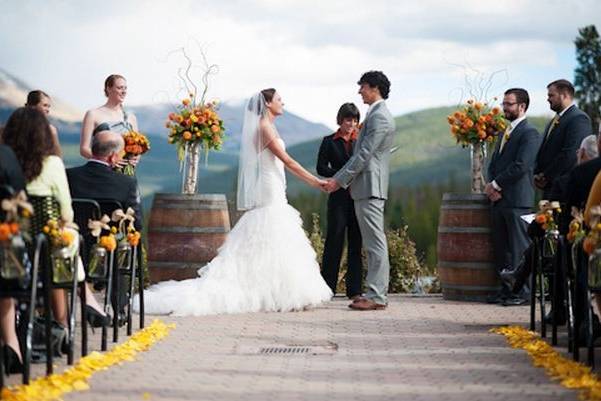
(331, 185)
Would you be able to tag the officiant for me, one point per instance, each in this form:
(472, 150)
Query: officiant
(335, 150)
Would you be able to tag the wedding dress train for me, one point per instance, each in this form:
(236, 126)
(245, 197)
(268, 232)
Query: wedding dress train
(266, 263)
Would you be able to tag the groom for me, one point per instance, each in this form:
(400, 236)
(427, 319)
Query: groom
(366, 173)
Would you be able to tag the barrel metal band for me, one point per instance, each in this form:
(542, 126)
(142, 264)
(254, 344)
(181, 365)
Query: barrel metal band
(189, 230)
(464, 230)
(466, 265)
(470, 287)
(198, 206)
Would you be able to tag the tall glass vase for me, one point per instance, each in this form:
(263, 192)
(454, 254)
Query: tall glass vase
(192, 162)
(477, 161)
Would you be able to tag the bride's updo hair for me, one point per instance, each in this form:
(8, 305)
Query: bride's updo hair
(110, 81)
(268, 94)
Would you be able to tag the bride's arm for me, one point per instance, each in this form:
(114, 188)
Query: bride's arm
(292, 165)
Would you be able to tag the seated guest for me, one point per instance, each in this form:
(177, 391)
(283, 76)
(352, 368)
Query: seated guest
(335, 150)
(29, 135)
(97, 180)
(10, 175)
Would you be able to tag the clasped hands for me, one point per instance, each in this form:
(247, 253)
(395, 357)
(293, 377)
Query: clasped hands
(328, 185)
(492, 193)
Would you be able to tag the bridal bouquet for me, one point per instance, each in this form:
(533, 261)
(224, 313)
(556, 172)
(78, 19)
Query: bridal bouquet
(476, 122)
(195, 124)
(136, 144)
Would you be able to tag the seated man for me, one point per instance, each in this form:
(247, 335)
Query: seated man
(97, 180)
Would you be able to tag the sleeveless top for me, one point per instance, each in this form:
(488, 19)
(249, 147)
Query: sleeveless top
(120, 127)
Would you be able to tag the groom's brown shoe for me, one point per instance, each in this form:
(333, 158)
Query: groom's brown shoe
(366, 304)
(357, 297)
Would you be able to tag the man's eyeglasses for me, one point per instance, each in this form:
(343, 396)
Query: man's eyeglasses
(507, 104)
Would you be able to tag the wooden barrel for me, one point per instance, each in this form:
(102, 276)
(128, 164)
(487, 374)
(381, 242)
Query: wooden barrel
(184, 233)
(465, 251)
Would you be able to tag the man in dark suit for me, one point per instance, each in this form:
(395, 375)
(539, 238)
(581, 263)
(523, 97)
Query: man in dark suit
(510, 186)
(562, 136)
(97, 180)
(574, 193)
(334, 152)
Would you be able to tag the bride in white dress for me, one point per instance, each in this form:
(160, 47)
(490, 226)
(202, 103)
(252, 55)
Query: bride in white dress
(267, 262)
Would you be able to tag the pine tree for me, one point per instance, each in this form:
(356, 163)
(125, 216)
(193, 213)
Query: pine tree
(587, 80)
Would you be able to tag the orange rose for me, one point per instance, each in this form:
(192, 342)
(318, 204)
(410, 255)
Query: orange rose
(14, 228)
(187, 135)
(589, 245)
(4, 232)
(215, 128)
(541, 218)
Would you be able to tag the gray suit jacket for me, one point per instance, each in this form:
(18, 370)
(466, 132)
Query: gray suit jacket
(512, 169)
(367, 170)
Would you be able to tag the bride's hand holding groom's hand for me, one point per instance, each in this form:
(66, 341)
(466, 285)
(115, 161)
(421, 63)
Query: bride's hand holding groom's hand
(330, 185)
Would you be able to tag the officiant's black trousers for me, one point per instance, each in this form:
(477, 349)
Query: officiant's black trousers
(341, 221)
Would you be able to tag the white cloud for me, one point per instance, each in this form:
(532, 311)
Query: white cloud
(312, 51)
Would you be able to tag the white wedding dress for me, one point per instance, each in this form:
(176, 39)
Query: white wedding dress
(266, 263)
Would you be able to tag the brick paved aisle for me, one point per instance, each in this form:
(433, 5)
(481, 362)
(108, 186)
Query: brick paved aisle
(418, 349)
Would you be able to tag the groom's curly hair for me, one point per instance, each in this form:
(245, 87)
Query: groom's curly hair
(376, 79)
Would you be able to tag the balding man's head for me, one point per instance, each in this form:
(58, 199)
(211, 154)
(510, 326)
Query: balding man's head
(105, 144)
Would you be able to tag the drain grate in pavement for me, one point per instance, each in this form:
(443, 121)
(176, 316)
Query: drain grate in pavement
(284, 350)
(326, 348)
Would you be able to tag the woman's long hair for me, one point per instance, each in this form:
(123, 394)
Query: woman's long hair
(27, 132)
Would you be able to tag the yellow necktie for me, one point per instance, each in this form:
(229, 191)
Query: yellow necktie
(505, 137)
(554, 122)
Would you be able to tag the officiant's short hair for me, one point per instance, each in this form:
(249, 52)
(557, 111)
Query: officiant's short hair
(521, 95)
(348, 110)
(563, 86)
(376, 79)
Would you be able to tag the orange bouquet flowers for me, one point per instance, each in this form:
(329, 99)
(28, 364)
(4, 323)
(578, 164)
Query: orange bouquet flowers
(136, 144)
(476, 122)
(197, 124)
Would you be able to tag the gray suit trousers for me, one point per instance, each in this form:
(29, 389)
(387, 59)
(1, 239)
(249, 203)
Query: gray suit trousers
(370, 216)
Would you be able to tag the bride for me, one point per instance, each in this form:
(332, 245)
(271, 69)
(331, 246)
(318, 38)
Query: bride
(266, 263)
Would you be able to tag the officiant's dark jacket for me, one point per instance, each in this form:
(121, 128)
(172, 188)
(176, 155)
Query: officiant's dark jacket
(512, 169)
(557, 154)
(333, 154)
(97, 181)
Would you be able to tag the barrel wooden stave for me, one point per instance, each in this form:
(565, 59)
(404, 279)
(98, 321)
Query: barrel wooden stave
(184, 233)
(465, 252)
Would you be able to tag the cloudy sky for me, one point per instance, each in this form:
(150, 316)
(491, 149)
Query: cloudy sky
(312, 51)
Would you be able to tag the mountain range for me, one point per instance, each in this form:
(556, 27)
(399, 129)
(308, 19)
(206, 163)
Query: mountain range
(426, 151)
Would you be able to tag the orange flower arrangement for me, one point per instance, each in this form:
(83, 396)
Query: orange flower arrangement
(592, 241)
(547, 214)
(136, 144)
(195, 123)
(58, 236)
(476, 122)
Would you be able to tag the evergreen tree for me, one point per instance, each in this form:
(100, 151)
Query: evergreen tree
(587, 80)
